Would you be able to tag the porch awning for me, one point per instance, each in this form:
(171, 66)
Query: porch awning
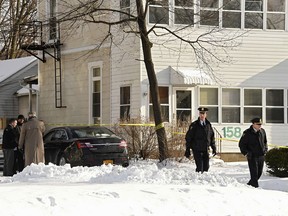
(189, 77)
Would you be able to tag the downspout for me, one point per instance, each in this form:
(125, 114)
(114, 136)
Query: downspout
(30, 96)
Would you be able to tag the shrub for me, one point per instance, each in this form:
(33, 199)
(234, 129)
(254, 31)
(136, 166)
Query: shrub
(277, 162)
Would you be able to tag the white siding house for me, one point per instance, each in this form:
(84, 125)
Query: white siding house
(104, 84)
(12, 73)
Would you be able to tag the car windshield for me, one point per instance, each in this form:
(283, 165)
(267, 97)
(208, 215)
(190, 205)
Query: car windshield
(93, 132)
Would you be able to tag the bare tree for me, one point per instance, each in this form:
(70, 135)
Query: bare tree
(78, 13)
(13, 13)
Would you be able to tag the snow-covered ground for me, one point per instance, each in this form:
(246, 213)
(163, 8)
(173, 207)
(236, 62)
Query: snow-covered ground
(143, 188)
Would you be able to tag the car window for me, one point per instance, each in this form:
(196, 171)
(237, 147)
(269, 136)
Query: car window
(93, 132)
(59, 135)
(48, 136)
(55, 135)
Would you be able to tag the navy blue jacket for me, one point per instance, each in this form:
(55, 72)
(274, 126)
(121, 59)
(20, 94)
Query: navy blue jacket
(199, 137)
(253, 143)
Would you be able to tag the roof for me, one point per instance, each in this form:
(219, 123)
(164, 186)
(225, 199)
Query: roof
(12, 66)
(25, 90)
(189, 76)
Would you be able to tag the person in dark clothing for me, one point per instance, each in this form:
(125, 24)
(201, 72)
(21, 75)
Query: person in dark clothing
(253, 144)
(19, 157)
(9, 146)
(199, 137)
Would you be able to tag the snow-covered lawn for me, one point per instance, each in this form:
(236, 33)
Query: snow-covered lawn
(143, 188)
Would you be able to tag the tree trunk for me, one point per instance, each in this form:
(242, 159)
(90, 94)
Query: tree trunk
(147, 46)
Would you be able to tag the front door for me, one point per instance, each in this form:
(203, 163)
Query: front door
(183, 101)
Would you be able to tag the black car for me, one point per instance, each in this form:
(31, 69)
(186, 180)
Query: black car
(85, 146)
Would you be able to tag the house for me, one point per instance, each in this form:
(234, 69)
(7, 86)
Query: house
(91, 85)
(12, 73)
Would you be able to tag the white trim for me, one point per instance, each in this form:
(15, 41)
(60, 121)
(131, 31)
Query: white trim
(92, 65)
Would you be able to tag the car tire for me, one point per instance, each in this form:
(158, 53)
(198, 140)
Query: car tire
(61, 160)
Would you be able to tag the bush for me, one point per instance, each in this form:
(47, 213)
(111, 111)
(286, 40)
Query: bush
(277, 162)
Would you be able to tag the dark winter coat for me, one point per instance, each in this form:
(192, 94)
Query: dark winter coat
(199, 138)
(9, 138)
(253, 143)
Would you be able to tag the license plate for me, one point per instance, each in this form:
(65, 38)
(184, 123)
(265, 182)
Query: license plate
(107, 162)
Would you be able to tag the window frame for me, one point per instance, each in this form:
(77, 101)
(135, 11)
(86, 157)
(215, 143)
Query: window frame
(92, 66)
(162, 105)
(281, 23)
(128, 105)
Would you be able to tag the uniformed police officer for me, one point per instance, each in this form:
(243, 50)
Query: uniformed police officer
(199, 137)
(253, 144)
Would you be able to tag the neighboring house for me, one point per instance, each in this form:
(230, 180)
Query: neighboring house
(12, 73)
(28, 95)
(106, 84)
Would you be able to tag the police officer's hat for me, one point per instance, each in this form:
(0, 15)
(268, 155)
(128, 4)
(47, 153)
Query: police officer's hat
(203, 109)
(256, 121)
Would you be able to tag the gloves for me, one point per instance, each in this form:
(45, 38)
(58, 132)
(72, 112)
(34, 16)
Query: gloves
(187, 153)
(249, 155)
(214, 152)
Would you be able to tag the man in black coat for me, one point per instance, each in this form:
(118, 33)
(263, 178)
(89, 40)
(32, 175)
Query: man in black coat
(253, 144)
(199, 137)
(9, 146)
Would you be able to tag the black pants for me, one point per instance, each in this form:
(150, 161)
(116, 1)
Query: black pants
(255, 164)
(19, 161)
(202, 160)
(9, 162)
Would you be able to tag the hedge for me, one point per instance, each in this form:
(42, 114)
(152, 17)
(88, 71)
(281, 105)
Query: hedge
(277, 162)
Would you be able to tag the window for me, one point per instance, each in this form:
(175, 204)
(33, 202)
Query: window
(183, 105)
(209, 12)
(252, 104)
(52, 21)
(125, 8)
(164, 103)
(254, 14)
(239, 105)
(184, 12)
(231, 16)
(274, 106)
(125, 103)
(209, 99)
(231, 105)
(96, 98)
(159, 12)
(250, 14)
(276, 14)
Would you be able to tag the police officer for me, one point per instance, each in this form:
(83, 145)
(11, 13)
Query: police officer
(253, 144)
(199, 137)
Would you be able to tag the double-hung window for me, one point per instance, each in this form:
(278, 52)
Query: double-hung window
(209, 99)
(96, 95)
(231, 15)
(252, 104)
(274, 106)
(164, 104)
(125, 102)
(275, 14)
(184, 12)
(159, 12)
(209, 12)
(125, 9)
(254, 14)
